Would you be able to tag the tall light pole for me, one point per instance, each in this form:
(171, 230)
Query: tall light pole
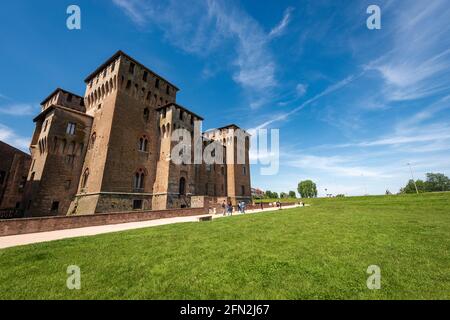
(412, 176)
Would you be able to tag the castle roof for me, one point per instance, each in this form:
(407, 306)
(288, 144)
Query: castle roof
(180, 107)
(59, 90)
(55, 106)
(117, 55)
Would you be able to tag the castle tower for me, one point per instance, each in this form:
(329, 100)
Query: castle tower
(57, 150)
(175, 180)
(119, 172)
(237, 143)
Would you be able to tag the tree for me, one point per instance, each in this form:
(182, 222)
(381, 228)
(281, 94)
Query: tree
(283, 195)
(307, 189)
(274, 195)
(411, 188)
(268, 194)
(437, 182)
(292, 194)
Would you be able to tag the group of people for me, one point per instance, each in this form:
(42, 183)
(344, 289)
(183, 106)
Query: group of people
(227, 208)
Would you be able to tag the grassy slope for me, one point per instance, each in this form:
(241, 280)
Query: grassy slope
(320, 252)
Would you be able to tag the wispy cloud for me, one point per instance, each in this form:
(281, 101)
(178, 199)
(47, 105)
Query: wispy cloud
(216, 24)
(18, 110)
(417, 65)
(9, 136)
(334, 87)
(280, 27)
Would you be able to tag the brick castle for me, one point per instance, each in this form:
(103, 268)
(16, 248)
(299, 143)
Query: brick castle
(111, 150)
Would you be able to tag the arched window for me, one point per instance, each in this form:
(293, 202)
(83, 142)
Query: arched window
(85, 178)
(146, 114)
(71, 148)
(92, 142)
(182, 189)
(138, 182)
(143, 144)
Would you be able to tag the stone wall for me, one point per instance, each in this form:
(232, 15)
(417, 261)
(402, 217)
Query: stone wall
(32, 225)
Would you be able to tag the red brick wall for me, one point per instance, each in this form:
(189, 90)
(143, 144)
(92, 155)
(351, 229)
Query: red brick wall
(32, 225)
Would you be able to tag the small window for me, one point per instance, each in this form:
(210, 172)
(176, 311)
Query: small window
(17, 205)
(69, 98)
(145, 76)
(131, 70)
(244, 171)
(55, 206)
(137, 204)
(143, 144)
(182, 186)
(167, 89)
(71, 128)
(85, 178)
(139, 180)
(128, 85)
(181, 115)
(146, 114)
(104, 73)
(149, 96)
(157, 83)
(113, 66)
(2, 177)
(22, 183)
(242, 190)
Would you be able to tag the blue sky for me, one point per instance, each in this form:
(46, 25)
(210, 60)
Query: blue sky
(353, 106)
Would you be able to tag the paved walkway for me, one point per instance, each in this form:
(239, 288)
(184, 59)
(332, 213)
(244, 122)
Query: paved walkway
(24, 239)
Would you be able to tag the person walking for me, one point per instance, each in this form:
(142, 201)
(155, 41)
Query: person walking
(230, 208)
(224, 208)
(243, 207)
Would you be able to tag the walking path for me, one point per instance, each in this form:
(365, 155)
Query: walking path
(24, 239)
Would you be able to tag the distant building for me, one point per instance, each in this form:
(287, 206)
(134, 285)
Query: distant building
(110, 150)
(14, 166)
(257, 193)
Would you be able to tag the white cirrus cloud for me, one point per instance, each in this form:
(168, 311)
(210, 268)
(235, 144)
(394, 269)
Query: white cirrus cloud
(203, 27)
(21, 109)
(9, 136)
(281, 27)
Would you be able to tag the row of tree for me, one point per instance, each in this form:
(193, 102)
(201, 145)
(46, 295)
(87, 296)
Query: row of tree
(434, 182)
(283, 195)
(306, 189)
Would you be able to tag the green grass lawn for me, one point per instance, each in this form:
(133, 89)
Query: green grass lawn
(317, 252)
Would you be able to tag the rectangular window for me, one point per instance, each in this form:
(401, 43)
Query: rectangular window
(243, 190)
(128, 85)
(69, 98)
(157, 83)
(71, 128)
(55, 206)
(168, 90)
(244, 171)
(131, 70)
(137, 204)
(144, 77)
(2, 177)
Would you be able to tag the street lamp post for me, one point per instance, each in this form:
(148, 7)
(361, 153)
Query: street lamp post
(412, 176)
